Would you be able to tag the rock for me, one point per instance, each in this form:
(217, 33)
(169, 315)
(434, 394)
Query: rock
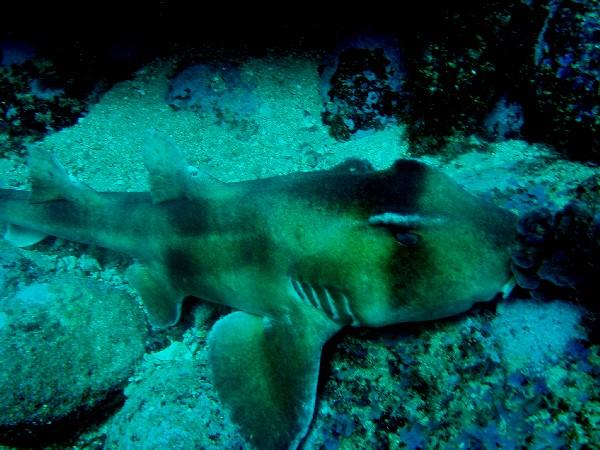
(567, 78)
(532, 334)
(171, 404)
(217, 90)
(362, 85)
(67, 346)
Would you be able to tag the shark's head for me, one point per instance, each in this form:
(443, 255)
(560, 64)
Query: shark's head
(404, 244)
(440, 248)
(359, 247)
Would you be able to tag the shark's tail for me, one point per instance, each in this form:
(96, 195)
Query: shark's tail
(12, 205)
(26, 215)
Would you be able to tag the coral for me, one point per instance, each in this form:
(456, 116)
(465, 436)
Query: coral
(559, 251)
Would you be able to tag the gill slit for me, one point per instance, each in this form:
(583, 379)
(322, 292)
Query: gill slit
(333, 303)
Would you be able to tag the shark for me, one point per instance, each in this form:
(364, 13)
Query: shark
(296, 257)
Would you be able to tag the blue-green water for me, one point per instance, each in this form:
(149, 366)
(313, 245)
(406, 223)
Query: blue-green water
(502, 98)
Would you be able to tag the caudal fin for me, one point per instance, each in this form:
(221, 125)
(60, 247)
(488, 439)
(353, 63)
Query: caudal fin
(21, 236)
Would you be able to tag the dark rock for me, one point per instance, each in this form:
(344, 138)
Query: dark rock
(461, 64)
(362, 85)
(504, 121)
(567, 78)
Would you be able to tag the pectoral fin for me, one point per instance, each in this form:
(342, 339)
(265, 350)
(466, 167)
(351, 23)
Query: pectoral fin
(162, 301)
(265, 372)
(21, 236)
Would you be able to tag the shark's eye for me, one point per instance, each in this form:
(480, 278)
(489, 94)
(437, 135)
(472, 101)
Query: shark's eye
(408, 239)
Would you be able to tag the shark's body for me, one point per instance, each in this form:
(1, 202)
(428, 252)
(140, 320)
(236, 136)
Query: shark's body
(300, 257)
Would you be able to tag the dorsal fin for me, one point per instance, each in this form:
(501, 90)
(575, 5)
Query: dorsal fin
(169, 174)
(50, 180)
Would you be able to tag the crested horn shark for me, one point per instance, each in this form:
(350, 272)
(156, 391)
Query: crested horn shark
(298, 257)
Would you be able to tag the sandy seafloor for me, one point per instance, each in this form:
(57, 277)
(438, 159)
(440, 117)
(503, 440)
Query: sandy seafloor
(104, 150)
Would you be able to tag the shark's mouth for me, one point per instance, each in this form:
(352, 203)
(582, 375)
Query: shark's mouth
(508, 287)
(332, 302)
